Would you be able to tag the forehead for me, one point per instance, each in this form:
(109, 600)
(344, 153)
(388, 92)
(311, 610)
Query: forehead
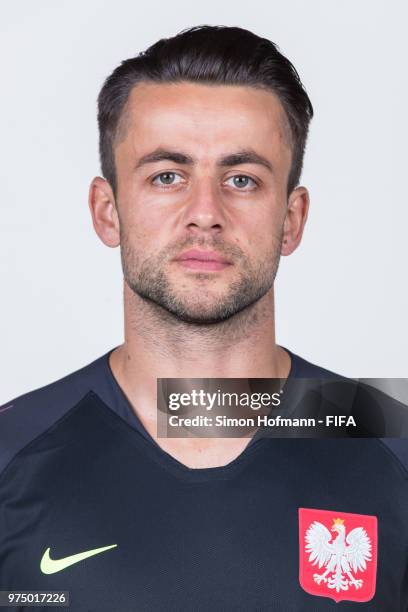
(203, 118)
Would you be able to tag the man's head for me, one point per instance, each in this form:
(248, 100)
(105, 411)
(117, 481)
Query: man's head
(201, 142)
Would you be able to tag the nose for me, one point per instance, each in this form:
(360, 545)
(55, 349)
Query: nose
(204, 212)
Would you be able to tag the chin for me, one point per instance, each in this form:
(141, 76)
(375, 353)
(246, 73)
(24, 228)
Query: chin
(200, 317)
(203, 314)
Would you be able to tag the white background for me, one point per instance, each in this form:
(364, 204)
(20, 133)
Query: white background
(342, 298)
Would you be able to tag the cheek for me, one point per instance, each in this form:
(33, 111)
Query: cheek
(143, 233)
(136, 221)
(262, 230)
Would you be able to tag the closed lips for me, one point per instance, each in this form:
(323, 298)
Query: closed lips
(203, 256)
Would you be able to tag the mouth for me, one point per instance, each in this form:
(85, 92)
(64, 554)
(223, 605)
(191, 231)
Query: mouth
(202, 260)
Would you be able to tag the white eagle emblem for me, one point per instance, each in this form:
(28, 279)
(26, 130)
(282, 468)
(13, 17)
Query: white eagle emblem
(340, 557)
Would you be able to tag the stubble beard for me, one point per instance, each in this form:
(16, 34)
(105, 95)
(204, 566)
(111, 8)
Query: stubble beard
(194, 301)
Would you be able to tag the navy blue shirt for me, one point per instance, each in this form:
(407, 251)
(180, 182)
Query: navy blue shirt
(78, 472)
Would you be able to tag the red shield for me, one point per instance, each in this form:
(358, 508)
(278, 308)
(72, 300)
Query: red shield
(337, 554)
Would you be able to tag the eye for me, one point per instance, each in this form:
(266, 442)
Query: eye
(242, 182)
(165, 179)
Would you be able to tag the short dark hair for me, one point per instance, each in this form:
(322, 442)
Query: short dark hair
(206, 54)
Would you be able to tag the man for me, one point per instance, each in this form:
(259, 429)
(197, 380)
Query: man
(201, 141)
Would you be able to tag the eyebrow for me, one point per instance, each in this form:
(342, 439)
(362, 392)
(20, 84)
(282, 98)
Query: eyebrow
(246, 156)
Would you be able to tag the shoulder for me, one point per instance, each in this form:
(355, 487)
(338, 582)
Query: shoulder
(28, 416)
(301, 368)
(380, 412)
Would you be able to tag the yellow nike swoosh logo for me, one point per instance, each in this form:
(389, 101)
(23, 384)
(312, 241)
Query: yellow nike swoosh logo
(51, 566)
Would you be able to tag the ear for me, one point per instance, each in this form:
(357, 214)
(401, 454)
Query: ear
(296, 216)
(104, 213)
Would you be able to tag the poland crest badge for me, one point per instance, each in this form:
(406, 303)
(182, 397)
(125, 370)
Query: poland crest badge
(337, 554)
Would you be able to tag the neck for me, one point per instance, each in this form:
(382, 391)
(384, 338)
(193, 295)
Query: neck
(157, 345)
